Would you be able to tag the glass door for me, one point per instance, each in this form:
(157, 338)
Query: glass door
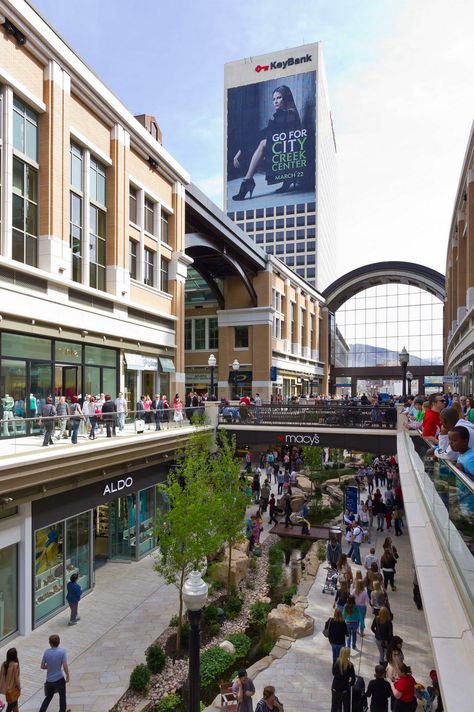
(70, 383)
(40, 387)
(122, 528)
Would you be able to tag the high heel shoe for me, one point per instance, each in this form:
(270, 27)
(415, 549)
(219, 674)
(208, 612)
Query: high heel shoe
(247, 186)
(286, 187)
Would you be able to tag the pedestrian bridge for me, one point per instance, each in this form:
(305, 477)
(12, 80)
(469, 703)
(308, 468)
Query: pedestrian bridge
(334, 425)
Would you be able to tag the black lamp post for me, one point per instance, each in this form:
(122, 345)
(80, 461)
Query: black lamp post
(404, 358)
(195, 592)
(211, 361)
(409, 376)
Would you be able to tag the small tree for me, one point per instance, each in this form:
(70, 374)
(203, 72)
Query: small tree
(187, 532)
(313, 460)
(229, 490)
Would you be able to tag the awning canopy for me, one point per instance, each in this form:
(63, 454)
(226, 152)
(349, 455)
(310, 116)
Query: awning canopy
(137, 362)
(167, 365)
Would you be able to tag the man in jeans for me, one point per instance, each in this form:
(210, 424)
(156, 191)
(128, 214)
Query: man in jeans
(356, 542)
(55, 663)
(121, 405)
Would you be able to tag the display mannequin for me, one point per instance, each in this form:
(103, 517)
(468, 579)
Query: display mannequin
(7, 405)
(32, 406)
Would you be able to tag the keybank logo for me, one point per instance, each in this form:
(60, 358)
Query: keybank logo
(290, 62)
(302, 439)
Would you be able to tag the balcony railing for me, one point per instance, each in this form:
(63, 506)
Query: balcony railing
(449, 495)
(24, 435)
(330, 415)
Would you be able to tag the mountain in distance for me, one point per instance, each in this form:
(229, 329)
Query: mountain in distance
(361, 355)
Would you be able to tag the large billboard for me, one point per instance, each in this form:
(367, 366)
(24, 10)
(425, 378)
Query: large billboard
(271, 136)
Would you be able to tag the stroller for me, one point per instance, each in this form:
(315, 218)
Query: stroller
(330, 584)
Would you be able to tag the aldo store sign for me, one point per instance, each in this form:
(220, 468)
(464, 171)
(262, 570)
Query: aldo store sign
(116, 486)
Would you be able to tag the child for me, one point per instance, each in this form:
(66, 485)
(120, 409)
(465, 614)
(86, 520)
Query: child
(379, 690)
(448, 420)
(459, 442)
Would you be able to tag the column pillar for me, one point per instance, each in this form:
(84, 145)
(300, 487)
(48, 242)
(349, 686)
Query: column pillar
(462, 268)
(470, 239)
(7, 172)
(118, 278)
(177, 277)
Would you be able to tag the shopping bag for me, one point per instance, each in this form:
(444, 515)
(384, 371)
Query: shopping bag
(139, 425)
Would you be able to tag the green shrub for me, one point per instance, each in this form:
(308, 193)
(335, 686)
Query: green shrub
(253, 564)
(288, 595)
(174, 621)
(155, 658)
(214, 663)
(168, 703)
(275, 554)
(258, 613)
(217, 585)
(215, 628)
(267, 646)
(241, 643)
(233, 606)
(140, 678)
(305, 546)
(275, 575)
(257, 552)
(212, 613)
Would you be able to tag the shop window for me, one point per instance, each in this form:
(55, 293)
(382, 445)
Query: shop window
(19, 345)
(200, 334)
(147, 524)
(100, 355)
(165, 227)
(132, 259)
(68, 352)
(109, 381)
(25, 213)
(92, 380)
(132, 205)
(149, 268)
(78, 549)
(213, 334)
(8, 590)
(49, 570)
(164, 274)
(241, 337)
(149, 216)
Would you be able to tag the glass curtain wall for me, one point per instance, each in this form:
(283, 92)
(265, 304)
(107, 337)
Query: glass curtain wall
(8, 590)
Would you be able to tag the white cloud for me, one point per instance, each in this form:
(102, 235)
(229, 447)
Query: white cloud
(402, 126)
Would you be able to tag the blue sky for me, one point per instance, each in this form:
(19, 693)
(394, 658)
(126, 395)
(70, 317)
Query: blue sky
(395, 70)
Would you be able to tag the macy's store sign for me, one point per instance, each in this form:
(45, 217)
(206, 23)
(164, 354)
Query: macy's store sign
(299, 439)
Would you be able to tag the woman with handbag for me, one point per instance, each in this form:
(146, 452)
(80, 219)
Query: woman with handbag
(10, 680)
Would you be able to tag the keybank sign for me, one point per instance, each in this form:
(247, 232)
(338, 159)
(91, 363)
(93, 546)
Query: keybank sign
(284, 63)
(302, 439)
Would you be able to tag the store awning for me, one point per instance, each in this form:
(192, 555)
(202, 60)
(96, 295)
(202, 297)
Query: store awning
(167, 365)
(137, 362)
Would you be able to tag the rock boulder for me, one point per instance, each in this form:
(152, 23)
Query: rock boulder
(289, 620)
(227, 646)
(238, 568)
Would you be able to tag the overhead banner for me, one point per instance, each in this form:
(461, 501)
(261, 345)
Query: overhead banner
(271, 135)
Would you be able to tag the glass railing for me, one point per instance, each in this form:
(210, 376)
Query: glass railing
(449, 495)
(23, 435)
(335, 414)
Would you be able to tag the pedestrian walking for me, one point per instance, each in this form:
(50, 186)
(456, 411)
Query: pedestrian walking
(387, 564)
(63, 410)
(361, 598)
(379, 690)
(122, 410)
(76, 419)
(272, 508)
(382, 628)
(404, 690)
(288, 511)
(256, 485)
(343, 678)
(243, 688)
(337, 633)
(48, 411)
(264, 496)
(57, 673)
(109, 410)
(10, 680)
(73, 596)
(281, 480)
(351, 615)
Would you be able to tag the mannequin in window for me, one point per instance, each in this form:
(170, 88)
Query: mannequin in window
(7, 406)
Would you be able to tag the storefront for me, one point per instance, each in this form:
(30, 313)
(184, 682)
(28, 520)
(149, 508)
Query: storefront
(147, 376)
(35, 367)
(8, 584)
(108, 520)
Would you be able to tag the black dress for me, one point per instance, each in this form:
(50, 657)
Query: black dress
(283, 121)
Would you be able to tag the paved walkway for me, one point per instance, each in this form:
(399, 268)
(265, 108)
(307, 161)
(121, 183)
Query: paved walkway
(303, 676)
(128, 609)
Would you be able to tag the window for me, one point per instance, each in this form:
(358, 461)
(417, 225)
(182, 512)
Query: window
(149, 268)
(9, 590)
(77, 165)
(249, 214)
(241, 337)
(188, 334)
(290, 260)
(165, 227)
(213, 334)
(97, 243)
(292, 322)
(300, 259)
(280, 250)
(290, 222)
(25, 213)
(269, 212)
(132, 259)
(311, 220)
(25, 130)
(97, 181)
(290, 247)
(280, 210)
(164, 274)
(132, 205)
(200, 334)
(149, 216)
(302, 326)
(75, 235)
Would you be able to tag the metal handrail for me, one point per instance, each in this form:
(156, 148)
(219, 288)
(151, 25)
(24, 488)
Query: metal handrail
(465, 479)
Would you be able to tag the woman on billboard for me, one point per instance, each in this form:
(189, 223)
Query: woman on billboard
(285, 119)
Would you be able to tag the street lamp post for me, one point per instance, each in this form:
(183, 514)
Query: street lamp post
(235, 368)
(211, 361)
(404, 358)
(409, 376)
(195, 592)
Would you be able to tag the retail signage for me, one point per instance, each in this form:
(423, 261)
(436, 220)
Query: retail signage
(118, 485)
(240, 377)
(299, 439)
(290, 62)
(137, 362)
(271, 126)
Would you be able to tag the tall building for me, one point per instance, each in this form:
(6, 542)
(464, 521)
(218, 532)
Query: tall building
(280, 158)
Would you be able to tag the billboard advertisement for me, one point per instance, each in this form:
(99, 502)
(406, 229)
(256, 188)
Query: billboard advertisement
(271, 135)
